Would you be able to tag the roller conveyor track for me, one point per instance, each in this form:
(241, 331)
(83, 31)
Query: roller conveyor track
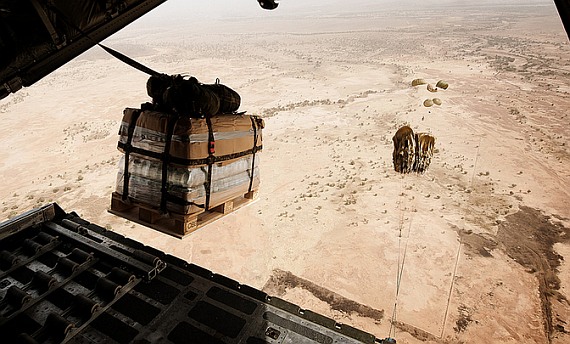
(65, 280)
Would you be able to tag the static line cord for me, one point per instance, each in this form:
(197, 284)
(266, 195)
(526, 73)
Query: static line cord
(120, 56)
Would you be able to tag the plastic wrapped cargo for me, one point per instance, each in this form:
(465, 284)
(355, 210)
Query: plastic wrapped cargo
(189, 139)
(184, 164)
(185, 176)
(188, 199)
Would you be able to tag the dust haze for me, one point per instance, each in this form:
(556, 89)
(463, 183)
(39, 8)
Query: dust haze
(484, 231)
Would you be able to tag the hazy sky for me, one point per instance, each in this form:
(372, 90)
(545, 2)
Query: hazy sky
(291, 15)
(220, 9)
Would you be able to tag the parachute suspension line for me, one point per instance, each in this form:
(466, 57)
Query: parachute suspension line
(460, 243)
(475, 163)
(400, 205)
(399, 274)
(400, 269)
(451, 287)
(400, 225)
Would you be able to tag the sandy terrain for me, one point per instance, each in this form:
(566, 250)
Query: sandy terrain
(481, 241)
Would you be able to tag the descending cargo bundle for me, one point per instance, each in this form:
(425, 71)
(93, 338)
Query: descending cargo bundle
(412, 151)
(181, 165)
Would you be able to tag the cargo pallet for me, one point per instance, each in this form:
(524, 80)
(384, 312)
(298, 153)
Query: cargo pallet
(178, 225)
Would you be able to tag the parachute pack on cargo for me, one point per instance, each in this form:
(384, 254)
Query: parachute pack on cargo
(188, 97)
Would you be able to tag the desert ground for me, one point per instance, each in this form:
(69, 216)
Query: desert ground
(475, 250)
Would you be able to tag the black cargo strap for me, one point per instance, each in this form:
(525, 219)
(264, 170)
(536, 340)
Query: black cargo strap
(254, 126)
(166, 162)
(211, 158)
(183, 202)
(128, 148)
(167, 159)
(190, 162)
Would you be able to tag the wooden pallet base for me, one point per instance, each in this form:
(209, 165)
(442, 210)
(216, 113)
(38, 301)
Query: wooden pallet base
(178, 225)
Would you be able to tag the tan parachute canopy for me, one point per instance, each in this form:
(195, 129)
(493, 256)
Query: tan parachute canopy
(436, 101)
(431, 88)
(428, 102)
(417, 82)
(442, 84)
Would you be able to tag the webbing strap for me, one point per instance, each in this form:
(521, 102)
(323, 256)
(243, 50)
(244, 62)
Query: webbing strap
(211, 151)
(254, 126)
(183, 202)
(190, 162)
(127, 148)
(122, 57)
(166, 161)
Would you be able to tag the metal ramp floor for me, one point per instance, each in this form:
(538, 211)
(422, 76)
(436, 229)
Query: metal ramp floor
(65, 280)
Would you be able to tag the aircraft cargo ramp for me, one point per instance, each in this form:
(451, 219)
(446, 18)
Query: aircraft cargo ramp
(65, 280)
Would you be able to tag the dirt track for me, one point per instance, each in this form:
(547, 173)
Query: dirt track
(528, 237)
(281, 280)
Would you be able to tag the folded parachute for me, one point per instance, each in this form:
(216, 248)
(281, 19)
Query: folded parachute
(189, 97)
